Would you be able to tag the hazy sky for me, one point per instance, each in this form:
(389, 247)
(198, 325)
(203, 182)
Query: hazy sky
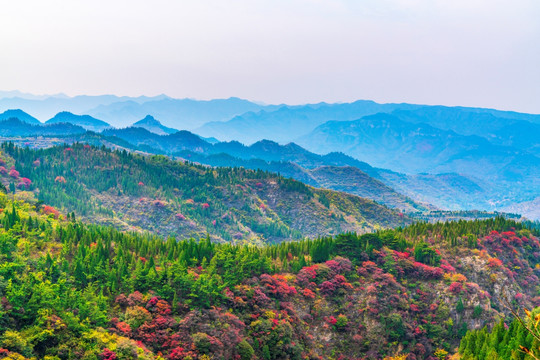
(454, 52)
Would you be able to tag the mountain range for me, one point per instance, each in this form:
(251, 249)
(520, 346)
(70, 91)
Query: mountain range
(335, 171)
(482, 158)
(121, 111)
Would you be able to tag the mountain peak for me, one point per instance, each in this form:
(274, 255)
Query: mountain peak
(151, 124)
(19, 114)
(148, 119)
(86, 121)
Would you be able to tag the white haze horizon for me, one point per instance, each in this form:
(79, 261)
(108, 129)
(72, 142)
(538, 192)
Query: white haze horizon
(471, 53)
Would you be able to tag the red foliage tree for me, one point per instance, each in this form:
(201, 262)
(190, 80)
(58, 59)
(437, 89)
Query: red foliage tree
(24, 183)
(13, 173)
(49, 210)
(159, 203)
(60, 179)
(494, 263)
(108, 355)
(455, 288)
(180, 216)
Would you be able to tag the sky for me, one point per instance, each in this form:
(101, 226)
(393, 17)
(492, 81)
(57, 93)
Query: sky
(453, 52)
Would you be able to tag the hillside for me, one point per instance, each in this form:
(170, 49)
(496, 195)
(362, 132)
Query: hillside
(77, 291)
(340, 178)
(530, 209)
(154, 193)
(513, 340)
(354, 181)
(447, 191)
(288, 160)
(409, 193)
(484, 158)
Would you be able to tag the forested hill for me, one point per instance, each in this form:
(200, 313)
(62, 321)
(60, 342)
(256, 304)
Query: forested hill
(166, 197)
(76, 291)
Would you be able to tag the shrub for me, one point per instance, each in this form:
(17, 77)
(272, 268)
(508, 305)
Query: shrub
(455, 288)
(341, 322)
(245, 350)
(49, 210)
(24, 183)
(159, 203)
(108, 355)
(202, 342)
(477, 312)
(494, 263)
(13, 173)
(180, 216)
(339, 264)
(136, 316)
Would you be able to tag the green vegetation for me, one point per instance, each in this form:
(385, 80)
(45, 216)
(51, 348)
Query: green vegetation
(75, 291)
(517, 341)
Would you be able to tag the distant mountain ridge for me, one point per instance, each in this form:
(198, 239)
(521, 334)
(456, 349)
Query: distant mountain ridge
(186, 114)
(289, 122)
(86, 121)
(45, 107)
